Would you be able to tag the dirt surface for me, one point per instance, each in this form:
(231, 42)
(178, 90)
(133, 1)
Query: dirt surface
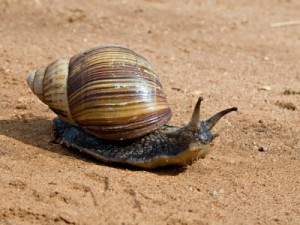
(230, 53)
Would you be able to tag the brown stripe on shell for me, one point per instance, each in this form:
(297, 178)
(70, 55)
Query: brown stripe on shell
(114, 93)
(148, 124)
(62, 114)
(109, 75)
(117, 113)
(108, 63)
(109, 90)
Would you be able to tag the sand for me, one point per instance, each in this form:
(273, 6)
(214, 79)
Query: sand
(233, 54)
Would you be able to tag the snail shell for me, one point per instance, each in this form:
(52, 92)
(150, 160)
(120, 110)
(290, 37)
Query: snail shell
(110, 92)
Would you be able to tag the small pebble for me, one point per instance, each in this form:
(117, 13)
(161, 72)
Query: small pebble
(21, 106)
(213, 193)
(178, 89)
(291, 92)
(196, 93)
(261, 149)
(265, 88)
(286, 105)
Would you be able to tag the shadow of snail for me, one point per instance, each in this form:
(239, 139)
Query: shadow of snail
(39, 133)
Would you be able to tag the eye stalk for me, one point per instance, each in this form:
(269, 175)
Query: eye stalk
(203, 128)
(211, 122)
(194, 125)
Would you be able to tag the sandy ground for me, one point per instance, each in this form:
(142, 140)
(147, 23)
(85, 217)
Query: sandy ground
(227, 52)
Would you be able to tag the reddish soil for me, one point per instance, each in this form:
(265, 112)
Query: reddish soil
(230, 53)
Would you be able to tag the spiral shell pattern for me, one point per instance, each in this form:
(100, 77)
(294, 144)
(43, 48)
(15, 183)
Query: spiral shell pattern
(111, 92)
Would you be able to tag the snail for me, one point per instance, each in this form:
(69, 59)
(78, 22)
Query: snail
(111, 105)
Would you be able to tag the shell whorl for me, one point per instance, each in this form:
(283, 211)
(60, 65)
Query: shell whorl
(114, 93)
(50, 85)
(35, 82)
(111, 92)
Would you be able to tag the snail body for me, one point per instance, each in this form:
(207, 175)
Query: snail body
(111, 105)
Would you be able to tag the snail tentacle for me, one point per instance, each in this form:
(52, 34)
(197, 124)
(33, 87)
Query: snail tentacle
(211, 122)
(194, 122)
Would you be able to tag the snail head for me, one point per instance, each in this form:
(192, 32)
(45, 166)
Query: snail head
(200, 135)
